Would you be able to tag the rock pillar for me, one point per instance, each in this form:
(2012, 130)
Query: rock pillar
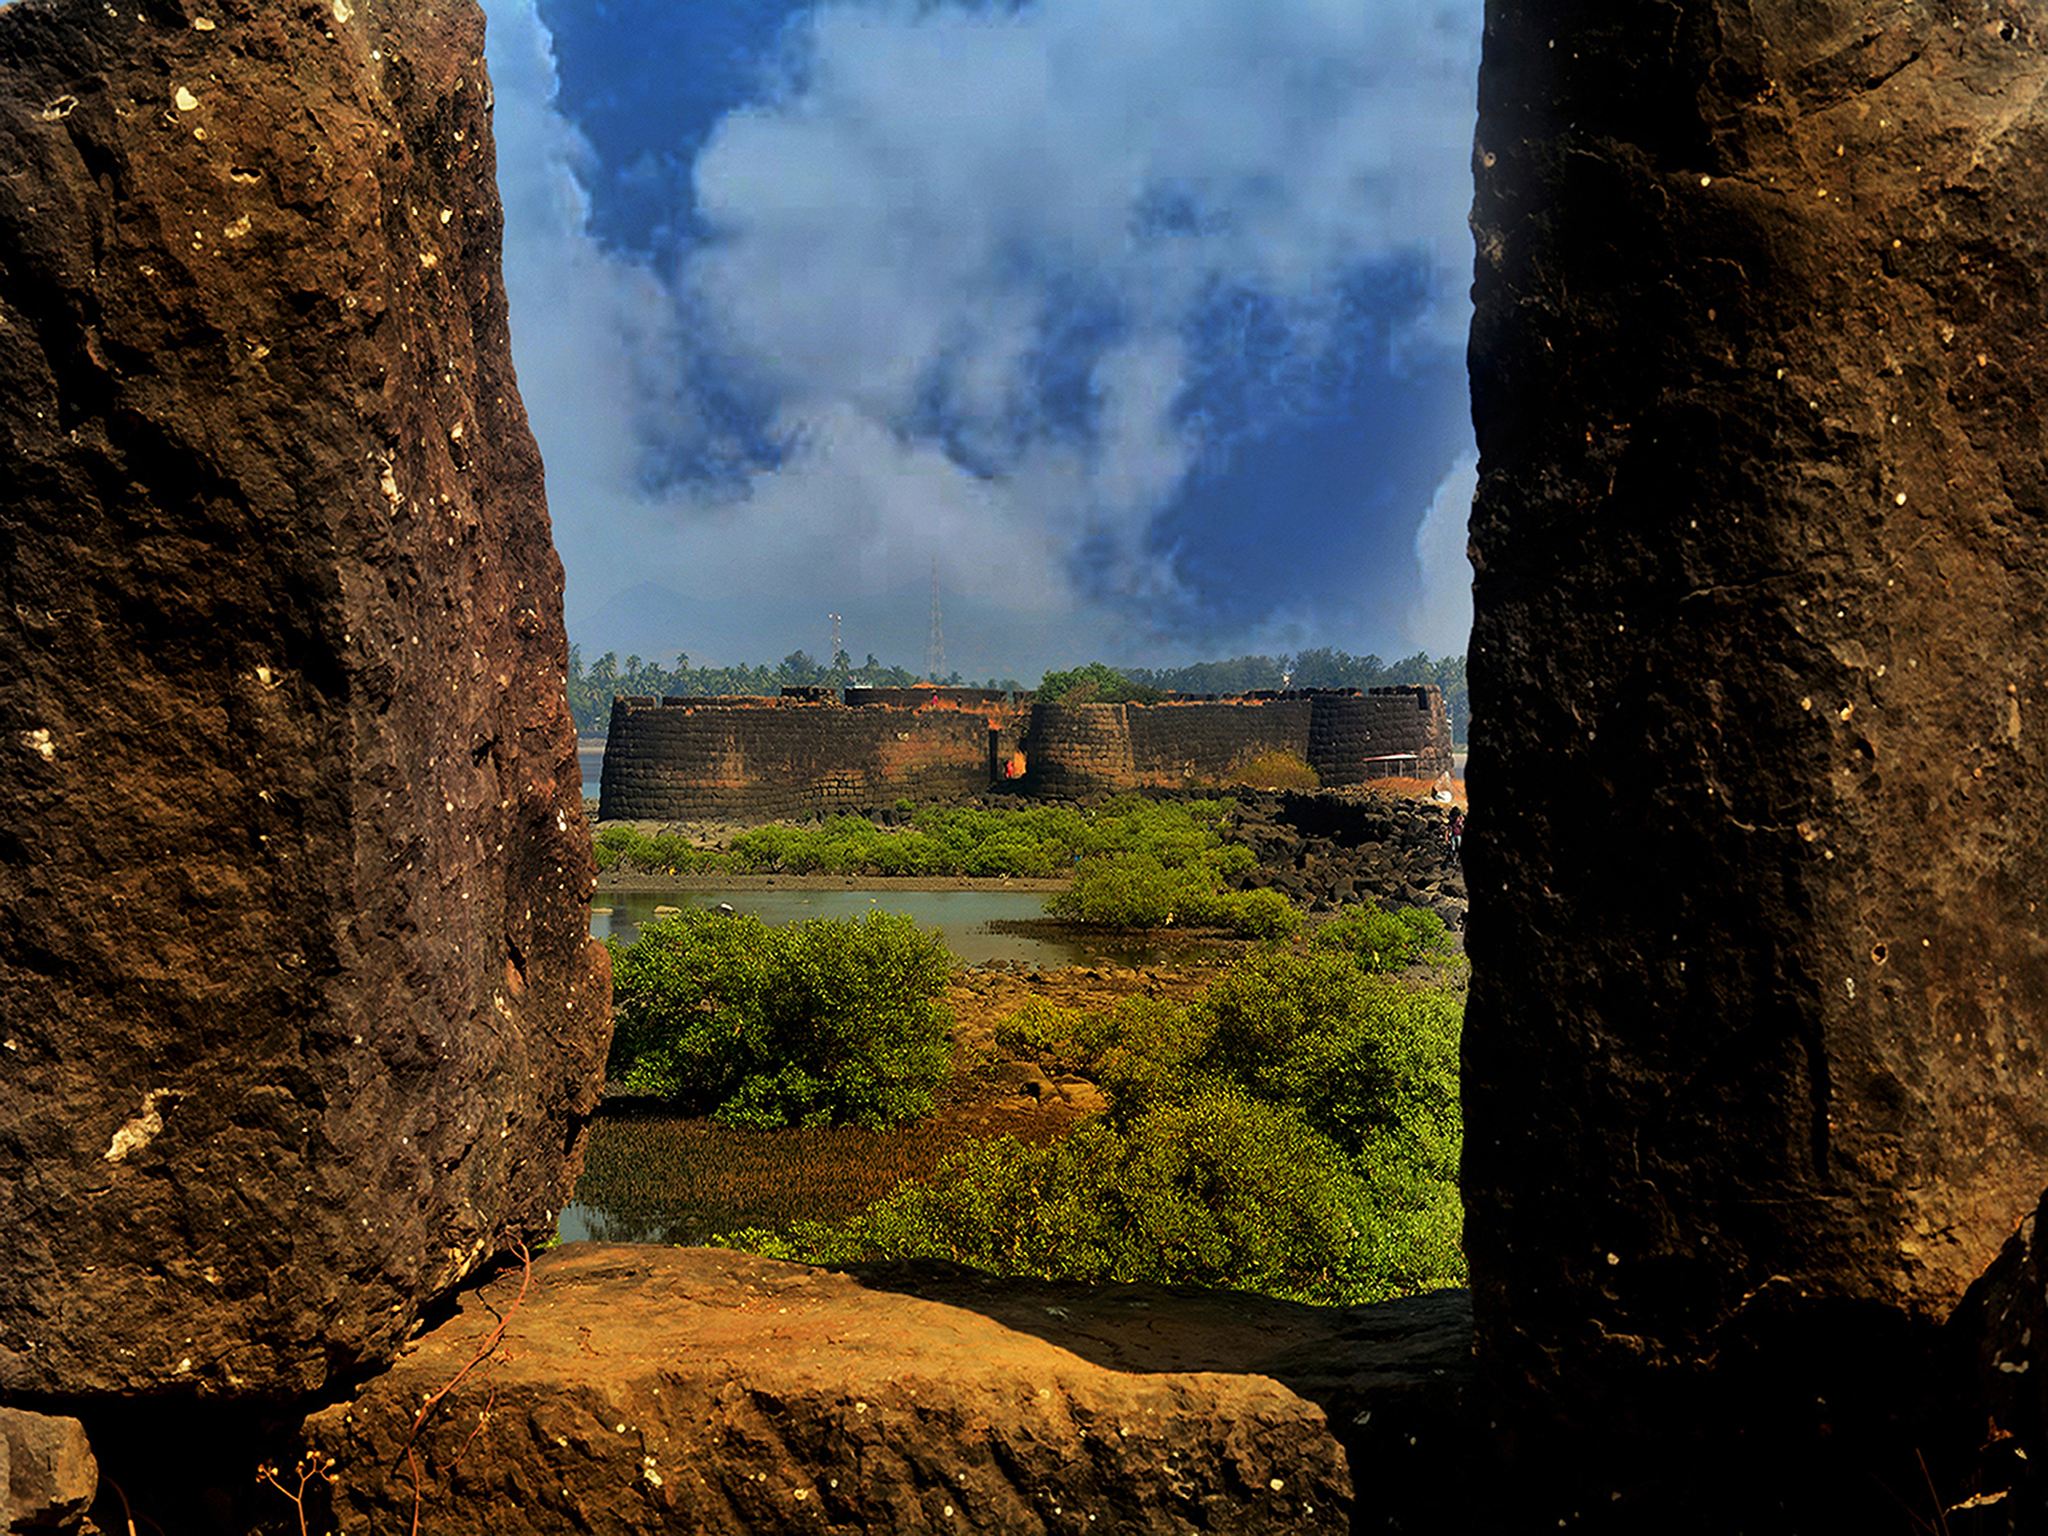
(1759, 1019)
(298, 1010)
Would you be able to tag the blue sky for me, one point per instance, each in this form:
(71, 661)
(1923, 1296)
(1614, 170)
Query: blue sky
(1144, 322)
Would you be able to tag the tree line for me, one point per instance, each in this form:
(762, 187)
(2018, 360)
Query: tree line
(591, 688)
(1319, 668)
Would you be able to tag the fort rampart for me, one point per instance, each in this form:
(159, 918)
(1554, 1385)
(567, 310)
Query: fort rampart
(808, 753)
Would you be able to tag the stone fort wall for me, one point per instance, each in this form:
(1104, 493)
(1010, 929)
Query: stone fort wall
(1348, 737)
(808, 753)
(681, 758)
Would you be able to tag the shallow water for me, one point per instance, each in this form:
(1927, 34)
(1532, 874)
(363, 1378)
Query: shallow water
(661, 1178)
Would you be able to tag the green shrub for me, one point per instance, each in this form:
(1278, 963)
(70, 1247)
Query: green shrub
(1379, 940)
(759, 849)
(822, 1022)
(1369, 1063)
(1128, 890)
(1140, 1052)
(1232, 859)
(686, 1000)
(1310, 1030)
(1040, 1028)
(622, 845)
(1296, 1131)
(1373, 1065)
(1260, 914)
(1217, 1190)
(1134, 890)
(1410, 1159)
(1038, 842)
(1224, 1191)
(1096, 683)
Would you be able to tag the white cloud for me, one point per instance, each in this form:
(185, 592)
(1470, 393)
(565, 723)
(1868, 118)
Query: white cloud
(934, 193)
(1441, 620)
(858, 509)
(589, 330)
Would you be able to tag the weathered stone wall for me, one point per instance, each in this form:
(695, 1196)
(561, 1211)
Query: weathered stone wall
(299, 1006)
(1078, 749)
(1355, 737)
(1759, 1013)
(1346, 736)
(688, 758)
(914, 698)
(1199, 743)
(802, 754)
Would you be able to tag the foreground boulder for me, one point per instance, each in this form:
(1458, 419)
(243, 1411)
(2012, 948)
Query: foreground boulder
(648, 1389)
(1759, 1010)
(47, 1472)
(2004, 1323)
(298, 1010)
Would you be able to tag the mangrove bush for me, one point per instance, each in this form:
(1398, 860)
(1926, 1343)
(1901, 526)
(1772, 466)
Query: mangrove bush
(1295, 1131)
(820, 1023)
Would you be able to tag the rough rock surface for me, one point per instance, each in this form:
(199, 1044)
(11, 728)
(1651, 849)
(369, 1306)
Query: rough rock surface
(642, 1389)
(298, 1007)
(1759, 1012)
(47, 1472)
(2003, 1322)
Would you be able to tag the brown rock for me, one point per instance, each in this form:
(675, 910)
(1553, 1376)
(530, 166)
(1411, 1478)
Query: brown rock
(1759, 1011)
(2003, 1324)
(47, 1471)
(642, 1389)
(298, 1008)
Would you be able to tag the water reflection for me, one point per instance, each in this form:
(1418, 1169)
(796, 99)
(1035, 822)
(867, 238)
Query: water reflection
(584, 1223)
(654, 1177)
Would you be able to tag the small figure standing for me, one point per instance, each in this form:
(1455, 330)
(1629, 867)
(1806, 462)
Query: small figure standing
(1454, 837)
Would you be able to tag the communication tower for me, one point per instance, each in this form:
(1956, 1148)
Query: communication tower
(935, 647)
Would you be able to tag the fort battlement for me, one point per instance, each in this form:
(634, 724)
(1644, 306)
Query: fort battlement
(809, 752)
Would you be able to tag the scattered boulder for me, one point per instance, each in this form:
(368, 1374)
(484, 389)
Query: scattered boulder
(299, 1009)
(1328, 851)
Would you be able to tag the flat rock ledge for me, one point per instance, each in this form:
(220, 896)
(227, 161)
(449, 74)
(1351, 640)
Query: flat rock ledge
(648, 1389)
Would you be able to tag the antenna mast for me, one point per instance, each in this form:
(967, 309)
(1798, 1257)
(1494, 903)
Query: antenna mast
(935, 647)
